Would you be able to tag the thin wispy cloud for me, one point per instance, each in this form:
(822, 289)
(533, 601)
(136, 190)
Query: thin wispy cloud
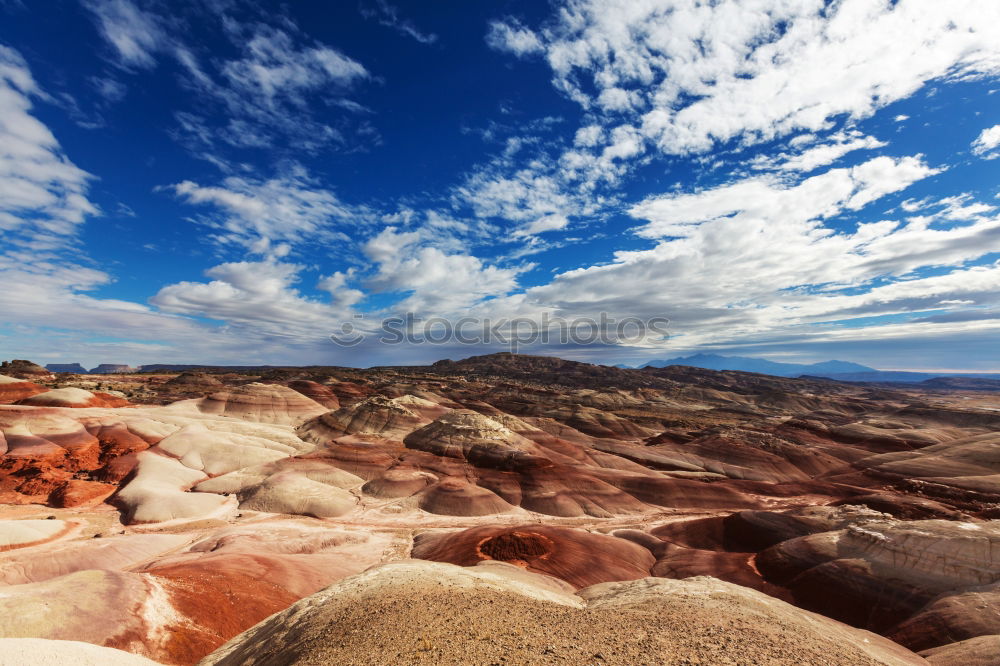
(389, 16)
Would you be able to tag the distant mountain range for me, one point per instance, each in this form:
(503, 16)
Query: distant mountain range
(763, 366)
(844, 371)
(102, 369)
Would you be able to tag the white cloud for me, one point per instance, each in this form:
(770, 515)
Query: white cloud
(548, 223)
(439, 283)
(268, 97)
(764, 198)
(697, 74)
(986, 143)
(260, 213)
(388, 15)
(513, 37)
(823, 154)
(43, 195)
(274, 67)
(760, 260)
(525, 197)
(135, 35)
(336, 285)
(110, 89)
(259, 296)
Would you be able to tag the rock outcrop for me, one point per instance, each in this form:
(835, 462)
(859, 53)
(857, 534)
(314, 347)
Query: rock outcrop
(197, 380)
(23, 369)
(376, 415)
(398, 613)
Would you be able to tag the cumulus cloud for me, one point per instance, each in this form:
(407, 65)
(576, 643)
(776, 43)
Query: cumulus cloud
(259, 296)
(512, 37)
(987, 142)
(437, 282)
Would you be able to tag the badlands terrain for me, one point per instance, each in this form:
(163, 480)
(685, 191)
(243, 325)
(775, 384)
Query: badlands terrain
(497, 510)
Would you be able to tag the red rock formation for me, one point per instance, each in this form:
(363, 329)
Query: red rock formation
(74, 397)
(24, 369)
(76, 492)
(318, 392)
(454, 497)
(13, 389)
(578, 557)
(398, 482)
(875, 573)
(951, 617)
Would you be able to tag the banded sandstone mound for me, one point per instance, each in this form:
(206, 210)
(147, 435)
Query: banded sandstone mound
(13, 389)
(261, 403)
(318, 392)
(878, 573)
(25, 533)
(376, 415)
(73, 397)
(414, 611)
(164, 597)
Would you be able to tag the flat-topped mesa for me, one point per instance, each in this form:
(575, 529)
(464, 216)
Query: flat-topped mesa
(261, 403)
(376, 415)
(112, 369)
(73, 368)
(74, 398)
(462, 433)
(13, 389)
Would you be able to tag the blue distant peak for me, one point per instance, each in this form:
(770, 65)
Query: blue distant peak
(761, 365)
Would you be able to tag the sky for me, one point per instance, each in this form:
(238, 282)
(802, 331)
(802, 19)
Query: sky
(230, 182)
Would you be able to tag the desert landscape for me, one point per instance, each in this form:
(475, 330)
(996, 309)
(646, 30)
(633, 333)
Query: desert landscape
(517, 332)
(500, 509)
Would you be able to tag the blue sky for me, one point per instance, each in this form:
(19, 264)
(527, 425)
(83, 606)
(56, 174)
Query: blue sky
(217, 181)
